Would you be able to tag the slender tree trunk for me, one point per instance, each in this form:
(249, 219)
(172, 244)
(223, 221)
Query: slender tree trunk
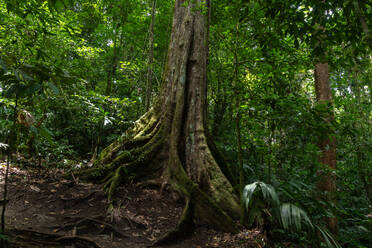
(237, 118)
(151, 57)
(361, 159)
(110, 77)
(12, 145)
(112, 68)
(218, 110)
(327, 141)
(170, 143)
(363, 22)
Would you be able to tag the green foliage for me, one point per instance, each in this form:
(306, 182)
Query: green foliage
(293, 216)
(277, 45)
(258, 199)
(57, 57)
(3, 237)
(264, 208)
(54, 55)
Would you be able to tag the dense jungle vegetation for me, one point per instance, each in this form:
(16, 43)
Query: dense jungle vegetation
(274, 95)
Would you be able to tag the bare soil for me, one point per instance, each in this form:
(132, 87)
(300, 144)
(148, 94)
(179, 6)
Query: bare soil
(46, 210)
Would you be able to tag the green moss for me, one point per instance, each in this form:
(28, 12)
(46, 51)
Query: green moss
(204, 207)
(115, 182)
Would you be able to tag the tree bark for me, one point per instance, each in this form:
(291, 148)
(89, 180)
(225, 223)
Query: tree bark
(327, 141)
(112, 69)
(237, 87)
(151, 57)
(363, 22)
(171, 142)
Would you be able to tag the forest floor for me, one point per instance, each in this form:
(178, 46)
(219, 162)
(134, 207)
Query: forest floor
(46, 210)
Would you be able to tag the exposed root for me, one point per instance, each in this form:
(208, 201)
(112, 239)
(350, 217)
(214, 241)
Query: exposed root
(210, 198)
(221, 161)
(125, 163)
(79, 199)
(208, 212)
(82, 223)
(184, 228)
(127, 154)
(115, 182)
(151, 183)
(135, 170)
(22, 237)
(132, 221)
(205, 209)
(75, 239)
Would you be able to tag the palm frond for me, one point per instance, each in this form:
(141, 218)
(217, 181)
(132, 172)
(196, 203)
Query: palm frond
(268, 193)
(260, 198)
(293, 216)
(328, 238)
(3, 145)
(248, 191)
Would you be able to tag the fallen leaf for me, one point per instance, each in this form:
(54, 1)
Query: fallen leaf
(34, 188)
(152, 238)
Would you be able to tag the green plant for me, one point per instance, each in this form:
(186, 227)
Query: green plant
(259, 198)
(292, 216)
(265, 210)
(3, 239)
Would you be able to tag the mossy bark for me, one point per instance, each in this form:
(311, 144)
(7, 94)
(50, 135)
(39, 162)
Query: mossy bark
(170, 141)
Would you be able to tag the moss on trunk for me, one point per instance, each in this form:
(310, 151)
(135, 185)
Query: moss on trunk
(170, 141)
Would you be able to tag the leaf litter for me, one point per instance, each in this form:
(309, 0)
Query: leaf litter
(43, 202)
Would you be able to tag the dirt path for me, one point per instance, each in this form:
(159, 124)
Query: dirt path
(45, 210)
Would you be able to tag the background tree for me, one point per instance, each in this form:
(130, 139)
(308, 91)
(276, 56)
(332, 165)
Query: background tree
(151, 56)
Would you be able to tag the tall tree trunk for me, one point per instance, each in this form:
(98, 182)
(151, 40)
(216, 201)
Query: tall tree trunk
(112, 69)
(151, 57)
(327, 141)
(237, 117)
(11, 140)
(110, 77)
(170, 142)
(361, 159)
(219, 108)
(362, 20)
